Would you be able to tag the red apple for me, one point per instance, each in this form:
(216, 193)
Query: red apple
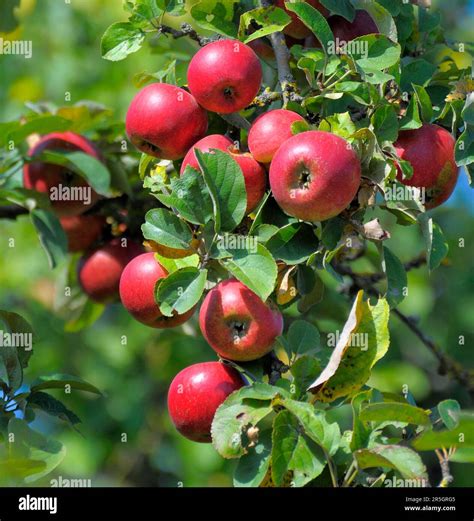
(345, 31)
(216, 141)
(269, 131)
(254, 174)
(297, 29)
(314, 175)
(430, 150)
(237, 324)
(137, 292)
(82, 230)
(164, 121)
(195, 394)
(225, 76)
(99, 271)
(68, 192)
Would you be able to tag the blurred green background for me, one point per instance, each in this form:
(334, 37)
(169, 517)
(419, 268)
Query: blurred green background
(127, 436)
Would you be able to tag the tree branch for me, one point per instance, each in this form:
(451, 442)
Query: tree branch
(447, 366)
(187, 30)
(443, 457)
(282, 57)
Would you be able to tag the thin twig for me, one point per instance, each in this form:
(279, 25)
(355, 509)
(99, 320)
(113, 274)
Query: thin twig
(187, 30)
(282, 57)
(447, 366)
(443, 457)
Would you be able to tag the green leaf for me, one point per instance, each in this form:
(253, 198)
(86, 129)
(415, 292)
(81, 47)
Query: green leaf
(449, 411)
(32, 445)
(241, 410)
(253, 466)
(295, 459)
(360, 431)
(269, 19)
(379, 53)
(121, 39)
(311, 298)
(52, 406)
(411, 120)
(255, 268)
(172, 7)
(340, 7)
(85, 165)
(406, 461)
(15, 470)
(385, 124)
(315, 21)
(181, 291)
(172, 265)
(303, 337)
(216, 16)
(425, 103)
(397, 282)
(225, 181)
(417, 72)
(189, 197)
(332, 232)
(314, 423)
(50, 234)
(62, 381)
(436, 245)
(165, 228)
(17, 339)
(41, 124)
(304, 370)
(293, 244)
(340, 124)
(398, 412)
(362, 342)
(460, 436)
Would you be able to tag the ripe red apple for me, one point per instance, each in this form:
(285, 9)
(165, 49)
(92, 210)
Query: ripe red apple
(225, 76)
(82, 230)
(254, 174)
(237, 324)
(137, 292)
(346, 31)
(314, 175)
(99, 271)
(297, 29)
(164, 121)
(269, 131)
(430, 150)
(216, 141)
(195, 394)
(69, 193)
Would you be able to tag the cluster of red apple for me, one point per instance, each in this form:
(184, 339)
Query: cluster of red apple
(313, 176)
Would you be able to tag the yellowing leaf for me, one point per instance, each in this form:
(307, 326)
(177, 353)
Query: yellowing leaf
(363, 341)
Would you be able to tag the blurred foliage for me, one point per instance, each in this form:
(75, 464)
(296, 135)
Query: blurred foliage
(127, 436)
